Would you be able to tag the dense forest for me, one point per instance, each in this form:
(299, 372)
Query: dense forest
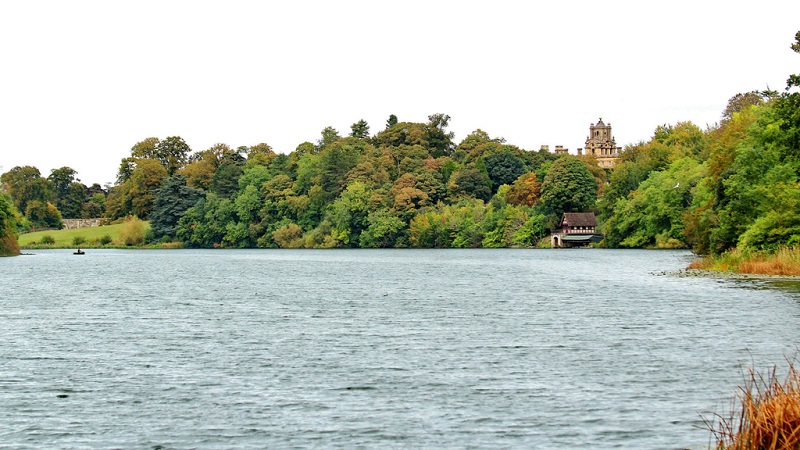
(732, 185)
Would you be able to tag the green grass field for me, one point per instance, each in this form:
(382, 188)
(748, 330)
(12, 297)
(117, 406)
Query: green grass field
(66, 238)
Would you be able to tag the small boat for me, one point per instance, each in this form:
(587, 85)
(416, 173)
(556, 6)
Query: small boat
(79, 252)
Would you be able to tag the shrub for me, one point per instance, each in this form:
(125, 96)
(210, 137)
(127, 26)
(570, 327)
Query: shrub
(289, 236)
(104, 239)
(47, 240)
(78, 240)
(133, 232)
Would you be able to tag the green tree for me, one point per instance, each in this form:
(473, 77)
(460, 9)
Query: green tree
(308, 170)
(277, 200)
(467, 220)
(794, 80)
(247, 204)
(653, 215)
(172, 153)
(568, 187)
(70, 194)
(392, 121)
(432, 229)
(226, 179)
(335, 163)
(471, 182)
(43, 215)
(144, 180)
(8, 227)
(740, 102)
(682, 139)
(125, 170)
(440, 140)
(61, 179)
(172, 199)
(328, 136)
(255, 175)
(755, 198)
(503, 168)
(261, 149)
(72, 203)
(752, 189)
(219, 154)
(385, 230)
(199, 174)
(25, 184)
(531, 232)
(479, 144)
(118, 202)
(95, 207)
(360, 129)
(146, 149)
(349, 213)
(403, 133)
(207, 223)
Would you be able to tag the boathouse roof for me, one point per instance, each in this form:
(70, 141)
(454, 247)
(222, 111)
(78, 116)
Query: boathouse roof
(578, 220)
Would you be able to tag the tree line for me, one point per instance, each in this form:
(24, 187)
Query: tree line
(734, 184)
(408, 185)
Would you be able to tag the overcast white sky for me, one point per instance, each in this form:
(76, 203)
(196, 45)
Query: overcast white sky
(82, 81)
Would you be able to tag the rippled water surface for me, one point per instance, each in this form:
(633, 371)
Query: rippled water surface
(398, 348)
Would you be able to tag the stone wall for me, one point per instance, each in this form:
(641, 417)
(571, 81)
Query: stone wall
(70, 224)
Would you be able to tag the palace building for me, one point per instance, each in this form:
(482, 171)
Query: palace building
(602, 145)
(599, 143)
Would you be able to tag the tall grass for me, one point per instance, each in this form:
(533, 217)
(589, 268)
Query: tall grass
(784, 261)
(767, 417)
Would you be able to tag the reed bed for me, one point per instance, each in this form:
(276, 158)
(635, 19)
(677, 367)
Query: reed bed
(783, 262)
(767, 417)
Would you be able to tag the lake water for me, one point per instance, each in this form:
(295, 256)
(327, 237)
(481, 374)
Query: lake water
(376, 348)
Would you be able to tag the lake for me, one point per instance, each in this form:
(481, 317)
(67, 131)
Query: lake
(377, 348)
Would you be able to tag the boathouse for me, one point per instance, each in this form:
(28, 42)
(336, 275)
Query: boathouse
(575, 230)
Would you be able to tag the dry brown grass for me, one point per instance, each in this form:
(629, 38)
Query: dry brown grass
(768, 416)
(783, 262)
(786, 261)
(704, 263)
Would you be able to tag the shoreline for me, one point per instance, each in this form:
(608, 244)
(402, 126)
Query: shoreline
(726, 274)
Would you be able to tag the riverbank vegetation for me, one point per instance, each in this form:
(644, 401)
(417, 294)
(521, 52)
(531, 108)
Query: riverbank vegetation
(733, 187)
(767, 414)
(785, 261)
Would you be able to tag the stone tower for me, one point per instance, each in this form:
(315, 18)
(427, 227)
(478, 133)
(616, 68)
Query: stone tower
(602, 145)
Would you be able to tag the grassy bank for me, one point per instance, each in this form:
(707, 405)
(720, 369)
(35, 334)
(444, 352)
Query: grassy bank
(783, 262)
(126, 234)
